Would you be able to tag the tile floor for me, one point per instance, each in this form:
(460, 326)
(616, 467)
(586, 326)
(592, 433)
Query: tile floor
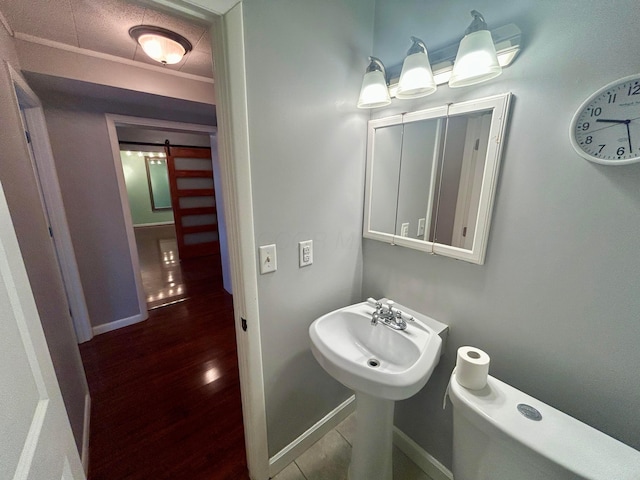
(328, 459)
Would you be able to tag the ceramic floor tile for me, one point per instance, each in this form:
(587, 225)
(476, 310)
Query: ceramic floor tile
(347, 428)
(327, 459)
(291, 472)
(405, 469)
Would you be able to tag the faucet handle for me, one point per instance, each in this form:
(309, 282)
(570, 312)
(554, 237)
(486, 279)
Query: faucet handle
(406, 317)
(374, 303)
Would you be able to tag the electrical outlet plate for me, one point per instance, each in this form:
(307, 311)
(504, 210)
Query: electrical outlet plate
(305, 253)
(268, 261)
(404, 230)
(421, 222)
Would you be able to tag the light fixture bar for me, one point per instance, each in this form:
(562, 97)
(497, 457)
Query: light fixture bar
(506, 39)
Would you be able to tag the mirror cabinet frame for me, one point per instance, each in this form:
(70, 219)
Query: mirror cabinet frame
(499, 107)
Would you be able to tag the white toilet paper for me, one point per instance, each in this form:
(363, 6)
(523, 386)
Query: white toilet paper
(472, 368)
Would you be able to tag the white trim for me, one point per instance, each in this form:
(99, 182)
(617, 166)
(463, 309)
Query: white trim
(105, 56)
(5, 24)
(426, 462)
(153, 224)
(85, 433)
(301, 444)
(47, 177)
(227, 34)
(123, 322)
(126, 212)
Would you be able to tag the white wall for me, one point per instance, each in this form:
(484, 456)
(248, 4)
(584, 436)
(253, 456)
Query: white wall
(19, 185)
(556, 305)
(304, 63)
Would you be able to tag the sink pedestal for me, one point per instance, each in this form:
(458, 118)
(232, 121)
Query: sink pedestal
(373, 443)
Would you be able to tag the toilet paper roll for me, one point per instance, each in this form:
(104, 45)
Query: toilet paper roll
(472, 368)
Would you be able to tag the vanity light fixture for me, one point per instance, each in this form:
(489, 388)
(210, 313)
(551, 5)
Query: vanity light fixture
(416, 78)
(476, 60)
(374, 91)
(160, 44)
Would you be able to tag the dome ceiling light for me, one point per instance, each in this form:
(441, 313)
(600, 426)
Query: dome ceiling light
(160, 44)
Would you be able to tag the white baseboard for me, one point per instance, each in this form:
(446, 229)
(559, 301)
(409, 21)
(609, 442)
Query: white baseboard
(154, 224)
(427, 463)
(301, 444)
(85, 433)
(123, 322)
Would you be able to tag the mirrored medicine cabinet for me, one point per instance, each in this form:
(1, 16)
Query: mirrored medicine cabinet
(431, 177)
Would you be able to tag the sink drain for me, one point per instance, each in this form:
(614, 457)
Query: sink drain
(372, 362)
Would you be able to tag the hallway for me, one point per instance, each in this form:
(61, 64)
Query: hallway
(165, 392)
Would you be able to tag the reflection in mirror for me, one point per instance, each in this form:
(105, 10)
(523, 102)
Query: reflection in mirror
(384, 179)
(420, 152)
(158, 179)
(460, 174)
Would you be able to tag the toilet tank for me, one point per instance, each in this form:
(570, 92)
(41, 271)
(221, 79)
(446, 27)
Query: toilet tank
(493, 440)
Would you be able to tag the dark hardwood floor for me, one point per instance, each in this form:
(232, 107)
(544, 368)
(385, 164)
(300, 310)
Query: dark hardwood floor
(165, 392)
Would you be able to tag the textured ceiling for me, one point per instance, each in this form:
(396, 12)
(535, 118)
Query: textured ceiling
(103, 26)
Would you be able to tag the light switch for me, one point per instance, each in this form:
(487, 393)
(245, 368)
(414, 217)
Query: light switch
(268, 261)
(305, 253)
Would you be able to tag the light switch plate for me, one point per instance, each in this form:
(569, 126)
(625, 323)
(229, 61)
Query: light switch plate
(305, 253)
(268, 261)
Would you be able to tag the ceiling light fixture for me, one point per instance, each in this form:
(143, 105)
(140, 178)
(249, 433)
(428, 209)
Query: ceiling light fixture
(160, 44)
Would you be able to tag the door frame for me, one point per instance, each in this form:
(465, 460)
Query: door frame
(114, 121)
(227, 38)
(47, 176)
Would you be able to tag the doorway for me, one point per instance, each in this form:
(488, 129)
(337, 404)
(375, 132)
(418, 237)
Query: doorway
(171, 189)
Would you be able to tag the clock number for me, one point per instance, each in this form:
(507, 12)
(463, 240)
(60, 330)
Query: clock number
(584, 126)
(601, 148)
(588, 140)
(597, 111)
(620, 151)
(612, 98)
(634, 89)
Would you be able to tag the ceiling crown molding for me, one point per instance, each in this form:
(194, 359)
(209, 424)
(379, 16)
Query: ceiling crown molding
(105, 56)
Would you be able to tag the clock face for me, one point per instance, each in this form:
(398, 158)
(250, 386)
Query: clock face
(606, 127)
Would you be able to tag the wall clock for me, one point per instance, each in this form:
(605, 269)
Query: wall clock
(606, 127)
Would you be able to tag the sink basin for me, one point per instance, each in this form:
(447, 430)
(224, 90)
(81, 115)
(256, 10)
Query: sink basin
(376, 360)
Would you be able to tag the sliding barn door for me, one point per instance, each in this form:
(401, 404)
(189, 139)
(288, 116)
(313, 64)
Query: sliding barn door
(193, 200)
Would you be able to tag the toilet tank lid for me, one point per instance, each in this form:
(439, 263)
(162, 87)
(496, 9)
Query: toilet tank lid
(562, 439)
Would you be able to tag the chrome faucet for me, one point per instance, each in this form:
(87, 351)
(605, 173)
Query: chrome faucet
(388, 315)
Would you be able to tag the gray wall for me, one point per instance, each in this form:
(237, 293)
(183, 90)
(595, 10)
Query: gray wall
(86, 171)
(305, 61)
(556, 305)
(19, 185)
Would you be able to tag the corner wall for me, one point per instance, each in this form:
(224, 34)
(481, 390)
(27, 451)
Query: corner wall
(304, 64)
(19, 185)
(556, 304)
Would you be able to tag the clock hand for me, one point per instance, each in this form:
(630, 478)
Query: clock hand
(629, 136)
(612, 121)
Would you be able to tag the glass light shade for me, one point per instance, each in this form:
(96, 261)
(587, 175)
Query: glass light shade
(416, 78)
(161, 49)
(476, 60)
(374, 92)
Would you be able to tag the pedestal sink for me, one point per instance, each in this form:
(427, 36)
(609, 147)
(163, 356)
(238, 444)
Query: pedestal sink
(381, 365)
